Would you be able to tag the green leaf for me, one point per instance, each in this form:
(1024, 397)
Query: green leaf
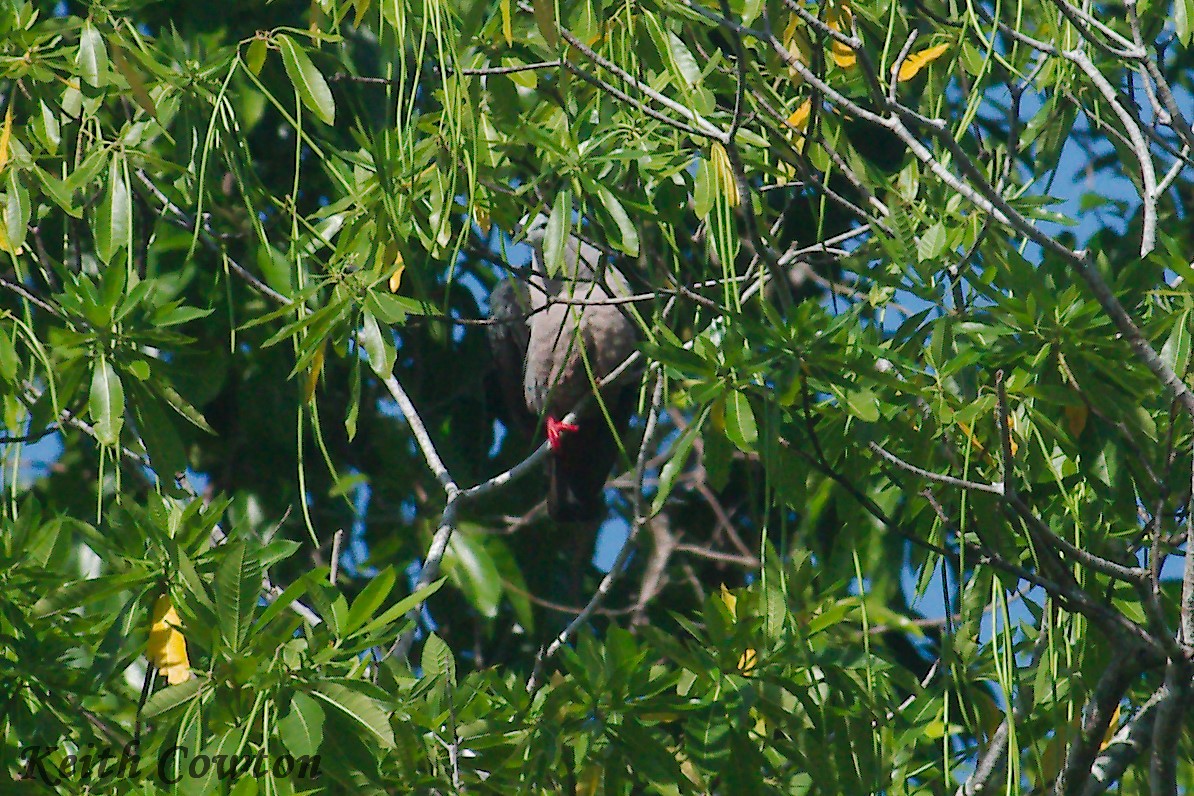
(106, 403)
(181, 405)
(863, 404)
(114, 221)
(50, 128)
(740, 422)
(302, 728)
(1183, 21)
(362, 709)
(1176, 351)
(545, 18)
(930, 245)
(381, 356)
(58, 192)
(255, 55)
(683, 59)
(473, 570)
(437, 659)
(9, 363)
(370, 599)
(81, 593)
(559, 226)
(282, 602)
(308, 81)
(704, 191)
(171, 315)
(627, 240)
(402, 607)
(171, 697)
(16, 211)
(675, 463)
(238, 584)
(216, 749)
(93, 56)
(157, 431)
(392, 304)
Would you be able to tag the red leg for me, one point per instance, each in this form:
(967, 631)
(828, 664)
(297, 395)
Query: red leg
(555, 429)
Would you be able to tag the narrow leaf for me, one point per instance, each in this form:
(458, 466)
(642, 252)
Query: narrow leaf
(556, 235)
(308, 80)
(675, 464)
(627, 240)
(106, 403)
(358, 707)
(238, 582)
(741, 427)
(919, 60)
(170, 698)
(545, 18)
(93, 56)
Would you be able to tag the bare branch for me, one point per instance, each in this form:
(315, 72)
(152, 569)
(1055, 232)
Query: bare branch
(640, 519)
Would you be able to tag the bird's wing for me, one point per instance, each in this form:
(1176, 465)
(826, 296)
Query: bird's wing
(573, 345)
(509, 335)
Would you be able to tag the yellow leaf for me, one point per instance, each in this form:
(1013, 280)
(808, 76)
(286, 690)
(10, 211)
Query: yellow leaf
(799, 47)
(919, 60)
(843, 56)
(396, 276)
(481, 216)
(725, 174)
(784, 171)
(1107, 736)
(747, 662)
(730, 600)
(5, 134)
(507, 33)
(970, 434)
(800, 116)
(360, 6)
(314, 371)
(167, 648)
(841, 19)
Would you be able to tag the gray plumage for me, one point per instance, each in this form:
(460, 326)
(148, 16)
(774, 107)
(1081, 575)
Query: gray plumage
(509, 335)
(564, 349)
(564, 336)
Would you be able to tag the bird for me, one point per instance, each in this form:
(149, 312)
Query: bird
(565, 348)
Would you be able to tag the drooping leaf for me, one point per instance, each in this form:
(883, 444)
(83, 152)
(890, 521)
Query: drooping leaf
(167, 647)
(741, 427)
(559, 226)
(93, 56)
(307, 80)
(106, 402)
(238, 584)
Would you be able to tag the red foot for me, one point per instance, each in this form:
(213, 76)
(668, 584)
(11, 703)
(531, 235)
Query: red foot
(556, 429)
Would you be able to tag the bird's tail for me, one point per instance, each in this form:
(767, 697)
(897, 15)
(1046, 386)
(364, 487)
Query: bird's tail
(577, 470)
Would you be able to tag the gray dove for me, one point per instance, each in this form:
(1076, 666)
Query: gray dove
(563, 350)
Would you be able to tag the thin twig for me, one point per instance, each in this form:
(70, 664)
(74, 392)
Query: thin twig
(607, 582)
